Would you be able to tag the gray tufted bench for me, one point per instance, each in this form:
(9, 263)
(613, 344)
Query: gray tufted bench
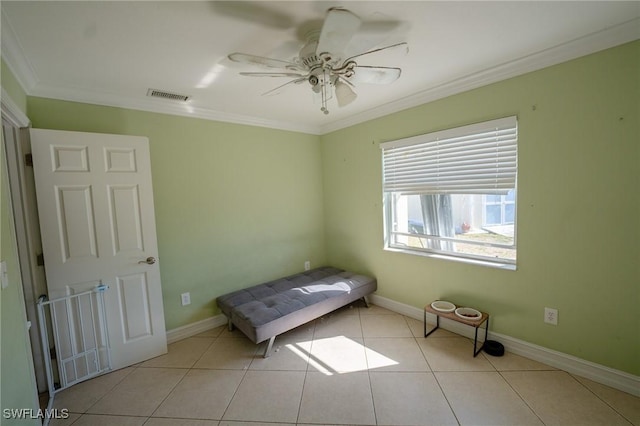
(266, 310)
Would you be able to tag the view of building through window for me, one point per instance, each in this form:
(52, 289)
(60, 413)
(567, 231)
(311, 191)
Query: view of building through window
(473, 224)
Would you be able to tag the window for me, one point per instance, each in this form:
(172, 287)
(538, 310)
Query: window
(453, 192)
(500, 209)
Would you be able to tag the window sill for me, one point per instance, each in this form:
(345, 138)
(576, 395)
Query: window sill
(497, 265)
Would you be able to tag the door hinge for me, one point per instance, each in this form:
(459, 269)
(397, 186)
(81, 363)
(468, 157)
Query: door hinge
(28, 160)
(40, 259)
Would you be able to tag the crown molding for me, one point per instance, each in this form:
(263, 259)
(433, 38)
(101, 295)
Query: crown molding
(163, 106)
(12, 112)
(591, 43)
(23, 71)
(625, 32)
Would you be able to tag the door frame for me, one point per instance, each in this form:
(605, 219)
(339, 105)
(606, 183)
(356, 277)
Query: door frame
(19, 191)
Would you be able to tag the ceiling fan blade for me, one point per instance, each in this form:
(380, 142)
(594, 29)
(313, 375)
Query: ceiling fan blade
(279, 88)
(261, 61)
(375, 75)
(272, 74)
(377, 29)
(399, 49)
(338, 29)
(344, 93)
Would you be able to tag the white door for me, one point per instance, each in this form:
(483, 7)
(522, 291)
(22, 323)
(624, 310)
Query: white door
(95, 204)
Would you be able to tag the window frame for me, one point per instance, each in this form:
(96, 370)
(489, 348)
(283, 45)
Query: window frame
(389, 208)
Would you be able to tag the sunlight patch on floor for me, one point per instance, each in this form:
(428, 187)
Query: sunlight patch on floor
(339, 355)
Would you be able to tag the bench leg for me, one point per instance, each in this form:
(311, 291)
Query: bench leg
(267, 350)
(230, 325)
(366, 305)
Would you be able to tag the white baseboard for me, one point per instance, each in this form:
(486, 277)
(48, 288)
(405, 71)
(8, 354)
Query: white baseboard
(195, 328)
(598, 373)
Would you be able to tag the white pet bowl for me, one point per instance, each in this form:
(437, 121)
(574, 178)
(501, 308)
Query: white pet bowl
(468, 313)
(443, 306)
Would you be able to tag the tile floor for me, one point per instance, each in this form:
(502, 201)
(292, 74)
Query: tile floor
(355, 366)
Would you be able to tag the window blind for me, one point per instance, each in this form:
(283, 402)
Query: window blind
(475, 159)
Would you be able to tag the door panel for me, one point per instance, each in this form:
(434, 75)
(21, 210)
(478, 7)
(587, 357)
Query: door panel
(135, 306)
(120, 160)
(76, 226)
(70, 159)
(126, 220)
(95, 202)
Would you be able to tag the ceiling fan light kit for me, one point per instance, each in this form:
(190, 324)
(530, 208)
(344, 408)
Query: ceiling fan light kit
(320, 62)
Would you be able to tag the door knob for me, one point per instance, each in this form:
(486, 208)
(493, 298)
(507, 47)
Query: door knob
(149, 260)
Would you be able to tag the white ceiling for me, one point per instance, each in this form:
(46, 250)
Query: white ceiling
(111, 53)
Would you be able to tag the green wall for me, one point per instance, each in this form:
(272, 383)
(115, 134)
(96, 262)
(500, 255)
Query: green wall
(578, 208)
(17, 387)
(235, 205)
(12, 87)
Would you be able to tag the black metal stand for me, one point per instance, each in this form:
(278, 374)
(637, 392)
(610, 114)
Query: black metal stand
(475, 340)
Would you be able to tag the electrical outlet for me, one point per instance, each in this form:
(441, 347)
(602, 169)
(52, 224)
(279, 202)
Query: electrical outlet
(551, 316)
(307, 265)
(186, 299)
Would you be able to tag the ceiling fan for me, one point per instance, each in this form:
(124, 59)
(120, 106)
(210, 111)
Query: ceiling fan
(321, 62)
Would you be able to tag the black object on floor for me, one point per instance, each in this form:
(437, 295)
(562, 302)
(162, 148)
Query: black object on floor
(493, 348)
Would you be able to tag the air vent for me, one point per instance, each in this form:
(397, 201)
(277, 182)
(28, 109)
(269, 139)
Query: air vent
(167, 95)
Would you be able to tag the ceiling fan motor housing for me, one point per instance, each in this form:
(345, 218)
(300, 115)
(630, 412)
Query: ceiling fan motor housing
(321, 61)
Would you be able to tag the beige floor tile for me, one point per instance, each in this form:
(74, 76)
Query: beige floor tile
(201, 394)
(394, 354)
(376, 310)
(337, 399)
(626, 404)
(351, 309)
(80, 397)
(301, 333)
(385, 326)
(338, 325)
(140, 393)
(289, 353)
(179, 422)
(214, 332)
(72, 417)
(331, 371)
(337, 354)
(559, 399)
(440, 332)
(453, 354)
(267, 396)
(416, 327)
(228, 354)
(102, 420)
(513, 362)
(484, 398)
(228, 423)
(409, 399)
(233, 333)
(181, 354)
